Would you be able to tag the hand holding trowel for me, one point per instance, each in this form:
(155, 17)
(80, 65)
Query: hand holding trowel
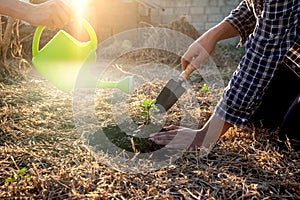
(194, 57)
(173, 90)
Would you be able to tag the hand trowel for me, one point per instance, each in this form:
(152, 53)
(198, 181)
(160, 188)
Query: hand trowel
(172, 91)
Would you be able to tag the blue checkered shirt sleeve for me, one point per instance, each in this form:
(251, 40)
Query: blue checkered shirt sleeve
(269, 29)
(242, 19)
(292, 58)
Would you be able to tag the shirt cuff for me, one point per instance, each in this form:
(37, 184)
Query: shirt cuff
(231, 115)
(292, 58)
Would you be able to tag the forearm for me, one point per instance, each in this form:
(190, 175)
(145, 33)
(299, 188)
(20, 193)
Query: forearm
(52, 13)
(221, 31)
(224, 30)
(15, 8)
(201, 49)
(213, 130)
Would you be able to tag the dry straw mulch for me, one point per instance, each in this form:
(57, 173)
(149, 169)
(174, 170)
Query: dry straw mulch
(42, 155)
(37, 132)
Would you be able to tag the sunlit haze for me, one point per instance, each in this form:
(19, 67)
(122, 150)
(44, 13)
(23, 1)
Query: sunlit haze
(78, 5)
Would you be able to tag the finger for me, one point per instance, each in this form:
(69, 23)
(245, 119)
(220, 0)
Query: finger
(195, 66)
(56, 22)
(68, 10)
(62, 17)
(171, 127)
(161, 140)
(50, 25)
(200, 59)
(177, 146)
(61, 13)
(54, 19)
(191, 52)
(163, 135)
(184, 63)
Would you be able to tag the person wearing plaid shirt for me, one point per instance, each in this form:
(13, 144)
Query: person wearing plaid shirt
(266, 82)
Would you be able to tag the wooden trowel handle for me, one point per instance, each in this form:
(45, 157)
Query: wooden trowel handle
(186, 73)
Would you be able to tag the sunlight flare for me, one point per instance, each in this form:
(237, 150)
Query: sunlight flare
(79, 6)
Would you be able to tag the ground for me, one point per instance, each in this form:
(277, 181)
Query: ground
(43, 155)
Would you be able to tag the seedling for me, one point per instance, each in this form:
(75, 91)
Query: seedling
(205, 89)
(17, 177)
(148, 106)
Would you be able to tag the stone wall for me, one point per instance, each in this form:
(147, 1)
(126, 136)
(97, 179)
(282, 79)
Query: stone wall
(203, 14)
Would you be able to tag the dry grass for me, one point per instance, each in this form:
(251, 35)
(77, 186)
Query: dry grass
(37, 132)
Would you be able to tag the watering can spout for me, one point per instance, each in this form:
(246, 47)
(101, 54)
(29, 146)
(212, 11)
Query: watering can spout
(126, 85)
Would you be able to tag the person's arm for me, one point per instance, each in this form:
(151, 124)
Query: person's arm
(52, 14)
(240, 22)
(222, 31)
(14, 8)
(176, 137)
(292, 57)
(202, 48)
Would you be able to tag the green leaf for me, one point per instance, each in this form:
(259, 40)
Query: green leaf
(145, 113)
(153, 101)
(146, 102)
(205, 89)
(8, 180)
(22, 171)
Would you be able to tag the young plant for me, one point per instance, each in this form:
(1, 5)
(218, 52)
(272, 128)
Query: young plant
(148, 106)
(205, 89)
(17, 177)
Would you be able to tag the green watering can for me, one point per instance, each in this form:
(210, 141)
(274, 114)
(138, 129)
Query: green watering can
(62, 58)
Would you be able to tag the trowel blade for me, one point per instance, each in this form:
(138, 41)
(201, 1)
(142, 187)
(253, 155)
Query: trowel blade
(169, 95)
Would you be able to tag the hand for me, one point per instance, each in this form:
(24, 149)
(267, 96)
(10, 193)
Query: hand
(196, 55)
(201, 49)
(176, 137)
(52, 14)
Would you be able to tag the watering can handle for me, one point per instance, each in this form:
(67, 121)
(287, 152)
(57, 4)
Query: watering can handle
(39, 30)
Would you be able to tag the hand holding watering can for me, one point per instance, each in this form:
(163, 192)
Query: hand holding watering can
(52, 13)
(61, 59)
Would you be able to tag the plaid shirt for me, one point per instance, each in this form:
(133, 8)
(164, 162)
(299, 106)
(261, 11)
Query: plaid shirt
(269, 29)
